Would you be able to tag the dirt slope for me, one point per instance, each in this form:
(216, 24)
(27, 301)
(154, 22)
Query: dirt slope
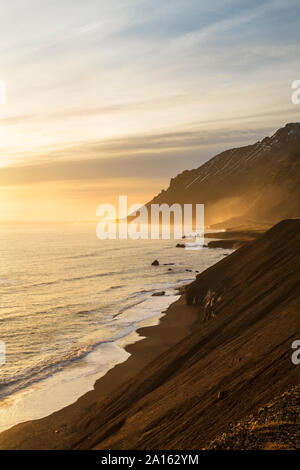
(274, 426)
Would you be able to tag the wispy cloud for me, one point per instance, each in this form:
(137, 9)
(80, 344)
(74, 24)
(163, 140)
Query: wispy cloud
(145, 157)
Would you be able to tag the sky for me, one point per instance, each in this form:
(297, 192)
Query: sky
(107, 98)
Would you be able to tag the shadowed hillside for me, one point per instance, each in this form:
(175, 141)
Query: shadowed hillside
(274, 426)
(236, 360)
(240, 350)
(250, 185)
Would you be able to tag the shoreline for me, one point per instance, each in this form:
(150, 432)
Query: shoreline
(63, 388)
(53, 430)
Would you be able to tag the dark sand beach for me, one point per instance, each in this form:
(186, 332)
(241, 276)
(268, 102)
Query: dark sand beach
(221, 352)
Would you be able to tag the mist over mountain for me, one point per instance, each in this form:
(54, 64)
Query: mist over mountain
(252, 185)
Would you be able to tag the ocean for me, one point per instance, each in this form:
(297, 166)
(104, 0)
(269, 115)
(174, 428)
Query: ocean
(70, 303)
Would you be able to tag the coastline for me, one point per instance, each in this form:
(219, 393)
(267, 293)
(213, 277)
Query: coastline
(53, 431)
(220, 355)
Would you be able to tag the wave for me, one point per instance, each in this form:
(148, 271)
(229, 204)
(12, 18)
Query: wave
(33, 375)
(41, 371)
(128, 307)
(71, 279)
(86, 255)
(113, 288)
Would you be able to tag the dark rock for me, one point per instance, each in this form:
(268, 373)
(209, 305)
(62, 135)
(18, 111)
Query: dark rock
(158, 294)
(229, 244)
(180, 245)
(155, 263)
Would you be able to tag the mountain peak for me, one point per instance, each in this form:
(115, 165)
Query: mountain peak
(258, 182)
(290, 125)
(290, 131)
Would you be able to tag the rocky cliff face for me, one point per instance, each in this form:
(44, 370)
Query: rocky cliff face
(250, 185)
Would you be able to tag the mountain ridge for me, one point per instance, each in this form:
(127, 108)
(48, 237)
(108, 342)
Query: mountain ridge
(254, 184)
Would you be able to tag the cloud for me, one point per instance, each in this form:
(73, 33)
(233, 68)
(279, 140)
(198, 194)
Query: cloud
(147, 156)
(83, 112)
(93, 71)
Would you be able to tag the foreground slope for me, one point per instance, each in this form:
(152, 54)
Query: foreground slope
(237, 359)
(255, 184)
(274, 426)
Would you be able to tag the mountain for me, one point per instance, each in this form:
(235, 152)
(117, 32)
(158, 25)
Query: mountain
(251, 185)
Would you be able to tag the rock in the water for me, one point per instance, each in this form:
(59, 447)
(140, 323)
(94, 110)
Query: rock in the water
(227, 244)
(155, 263)
(158, 294)
(180, 245)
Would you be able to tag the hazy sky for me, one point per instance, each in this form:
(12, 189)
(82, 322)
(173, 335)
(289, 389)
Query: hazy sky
(115, 97)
